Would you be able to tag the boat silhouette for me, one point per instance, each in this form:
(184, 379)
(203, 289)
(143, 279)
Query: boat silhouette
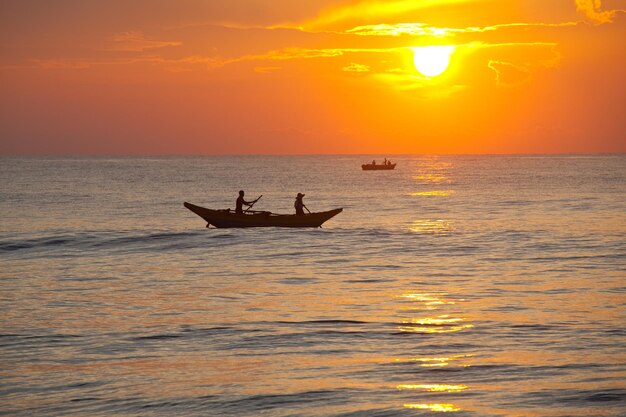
(378, 167)
(227, 218)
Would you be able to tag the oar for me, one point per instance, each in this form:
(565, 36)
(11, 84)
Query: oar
(307, 209)
(253, 203)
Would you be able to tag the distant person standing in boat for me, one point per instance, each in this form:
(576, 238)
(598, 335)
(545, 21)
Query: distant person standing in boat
(240, 202)
(299, 205)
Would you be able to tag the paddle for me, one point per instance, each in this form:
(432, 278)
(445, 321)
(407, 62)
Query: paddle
(249, 207)
(307, 209)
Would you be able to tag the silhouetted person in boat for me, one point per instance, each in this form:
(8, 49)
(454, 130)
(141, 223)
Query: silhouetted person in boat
(240, 202)
(385, 161)
(299, 205)
(373, 162)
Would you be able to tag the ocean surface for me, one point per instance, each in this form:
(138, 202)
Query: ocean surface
(469, 285)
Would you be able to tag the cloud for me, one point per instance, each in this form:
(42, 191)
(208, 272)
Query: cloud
(422, 29)
(514, 64)
(399, 29)
(135, 41)
(368, 9)
(509, 74)
(266, 70)
(591, 8)
(59, 64)
(354, 67)
(292, 53)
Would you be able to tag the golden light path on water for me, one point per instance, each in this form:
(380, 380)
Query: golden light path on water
(433, 173)
(440, 324)
(433, 387)
(434, 227)
(436, 193)
(439, 362)
(428, 178)
(433, 324)
(442, 408)
(431, 301)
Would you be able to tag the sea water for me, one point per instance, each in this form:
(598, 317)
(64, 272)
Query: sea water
(474, 285)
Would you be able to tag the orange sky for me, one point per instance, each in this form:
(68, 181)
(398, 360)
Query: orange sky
(311, 76)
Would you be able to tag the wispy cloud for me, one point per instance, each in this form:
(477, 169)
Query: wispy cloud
(400, 29)
(591, 8)
(266, 70)
(509, 74)
(422, 29)
(354, 67)
(136, 41)
(368, 9)
(59, 63)
(530, 58)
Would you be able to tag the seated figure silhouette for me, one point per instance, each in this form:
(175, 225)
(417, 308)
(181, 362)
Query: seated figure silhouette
(240, 202)
(299, 205)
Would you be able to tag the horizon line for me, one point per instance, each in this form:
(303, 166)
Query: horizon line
(198, 155)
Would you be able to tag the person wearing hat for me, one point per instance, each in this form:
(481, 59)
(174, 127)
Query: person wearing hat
(240, 202)
(299, 205)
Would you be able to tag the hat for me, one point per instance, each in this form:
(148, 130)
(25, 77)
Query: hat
(300, 195)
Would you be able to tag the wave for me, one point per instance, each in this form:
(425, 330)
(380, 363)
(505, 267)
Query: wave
(85, 241)
(276, 242)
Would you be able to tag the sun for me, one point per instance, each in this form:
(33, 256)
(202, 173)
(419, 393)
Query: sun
(432, 61)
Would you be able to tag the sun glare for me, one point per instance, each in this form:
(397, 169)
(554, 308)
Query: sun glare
(432, 61)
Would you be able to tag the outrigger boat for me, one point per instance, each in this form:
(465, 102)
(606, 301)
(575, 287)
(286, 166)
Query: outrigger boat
(227, 218)
(377, 167)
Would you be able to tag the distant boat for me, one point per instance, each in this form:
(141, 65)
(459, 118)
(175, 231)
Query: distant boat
(377, 167)
(228, 218)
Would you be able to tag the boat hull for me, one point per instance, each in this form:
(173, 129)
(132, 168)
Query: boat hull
(229, 219)
(370, 167)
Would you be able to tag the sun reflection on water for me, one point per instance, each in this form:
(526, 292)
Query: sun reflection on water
(428, 301)
(434, 172)
(442, 361)
(443, 408)
(434, 193)
(439, 324)
(433, 227)
(432, 179)
(449, 322)
(433, 387)
(443, 323)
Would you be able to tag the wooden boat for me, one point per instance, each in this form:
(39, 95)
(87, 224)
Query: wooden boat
(228, 218)
(377, 167)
